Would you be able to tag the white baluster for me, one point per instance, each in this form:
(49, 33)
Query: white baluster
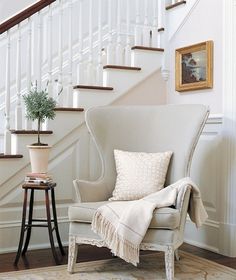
(18, 110)
(50, 84)
(7, 133)
(161, 22)
(46, 124)
(128, 47)
(154, 26)
(119, 49)
(89, 71)
(146, 29)
(164, 39)
(70, 57)
(60, 57)
(138, 29)
(28, 123)
(99, 79)
(40, 47)
(80, 74)
(110, 53)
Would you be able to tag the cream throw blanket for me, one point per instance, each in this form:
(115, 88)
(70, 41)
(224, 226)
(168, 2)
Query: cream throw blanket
(123, 224)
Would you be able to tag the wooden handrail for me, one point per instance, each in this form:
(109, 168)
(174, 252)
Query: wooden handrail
(28, 12)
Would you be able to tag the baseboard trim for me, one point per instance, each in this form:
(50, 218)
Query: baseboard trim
(201, 245)
(31, 247)
(15, 224)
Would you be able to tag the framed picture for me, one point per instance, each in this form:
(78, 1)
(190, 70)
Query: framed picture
(194, 67)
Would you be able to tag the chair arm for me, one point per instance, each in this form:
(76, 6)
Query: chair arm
(91, 191)
(182, 203)
(183, 197)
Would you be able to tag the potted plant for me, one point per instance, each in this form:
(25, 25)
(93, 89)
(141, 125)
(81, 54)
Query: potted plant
(39, 107)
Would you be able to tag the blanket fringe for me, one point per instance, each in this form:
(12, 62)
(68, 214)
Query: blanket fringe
(118, 246)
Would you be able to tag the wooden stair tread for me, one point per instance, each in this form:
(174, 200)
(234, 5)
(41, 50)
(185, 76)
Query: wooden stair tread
(147, 48)
(3, 156)
(175, 5)
(68, 109)
(92, 87)
(120, 67)
(22, 131)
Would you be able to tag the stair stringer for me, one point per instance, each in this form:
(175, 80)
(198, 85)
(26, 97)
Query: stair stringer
(149, 62)
(122, 80)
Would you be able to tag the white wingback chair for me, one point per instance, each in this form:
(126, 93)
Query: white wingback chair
(139, 129)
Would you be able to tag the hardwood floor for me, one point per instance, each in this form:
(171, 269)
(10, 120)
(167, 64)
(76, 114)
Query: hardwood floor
(43, 258)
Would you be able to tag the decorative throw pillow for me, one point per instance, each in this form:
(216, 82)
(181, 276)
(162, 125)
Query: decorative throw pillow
(139, 174)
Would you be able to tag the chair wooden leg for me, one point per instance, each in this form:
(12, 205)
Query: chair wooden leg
(72, 255)
(169, 263)
(177, 257)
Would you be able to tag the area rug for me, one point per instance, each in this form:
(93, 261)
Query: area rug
(151, 267)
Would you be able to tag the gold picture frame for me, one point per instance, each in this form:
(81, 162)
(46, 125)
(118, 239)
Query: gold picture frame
(194, 67)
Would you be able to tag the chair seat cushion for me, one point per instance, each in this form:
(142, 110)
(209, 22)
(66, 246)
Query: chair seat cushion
(167, 217)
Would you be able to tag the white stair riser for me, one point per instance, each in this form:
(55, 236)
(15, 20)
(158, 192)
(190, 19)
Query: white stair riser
(147, 60)
(89, 98)
(121, 80)
(21, 141)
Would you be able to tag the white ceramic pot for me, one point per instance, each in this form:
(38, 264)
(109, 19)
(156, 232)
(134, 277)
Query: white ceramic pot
(39, 158)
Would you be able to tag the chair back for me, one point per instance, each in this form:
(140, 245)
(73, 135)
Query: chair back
(163, 128)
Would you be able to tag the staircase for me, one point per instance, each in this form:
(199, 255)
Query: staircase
(93, 52)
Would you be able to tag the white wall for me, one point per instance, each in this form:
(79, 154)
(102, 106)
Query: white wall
(10, 7)
(205, 23)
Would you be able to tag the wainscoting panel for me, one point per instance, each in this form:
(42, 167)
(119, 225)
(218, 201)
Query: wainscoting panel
(64, 167)
(78, 152)
(206, 172)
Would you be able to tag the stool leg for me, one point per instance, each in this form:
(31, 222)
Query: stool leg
(50, 227)
(29, 222)
(22, 228)
(55, 222)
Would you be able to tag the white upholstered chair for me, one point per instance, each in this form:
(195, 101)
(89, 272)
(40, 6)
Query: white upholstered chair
(139, 129)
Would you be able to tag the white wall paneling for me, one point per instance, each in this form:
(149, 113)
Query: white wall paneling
(65, 166)
(206, 172)
(228, 192)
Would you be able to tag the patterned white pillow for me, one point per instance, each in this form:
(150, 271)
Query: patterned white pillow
(139, 174)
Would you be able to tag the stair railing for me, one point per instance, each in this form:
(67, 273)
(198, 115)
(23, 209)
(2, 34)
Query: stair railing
(69, 41)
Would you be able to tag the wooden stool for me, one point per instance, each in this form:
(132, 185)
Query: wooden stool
(28, 226)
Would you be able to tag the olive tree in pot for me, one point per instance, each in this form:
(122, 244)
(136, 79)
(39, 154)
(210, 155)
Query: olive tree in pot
(39, 107)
